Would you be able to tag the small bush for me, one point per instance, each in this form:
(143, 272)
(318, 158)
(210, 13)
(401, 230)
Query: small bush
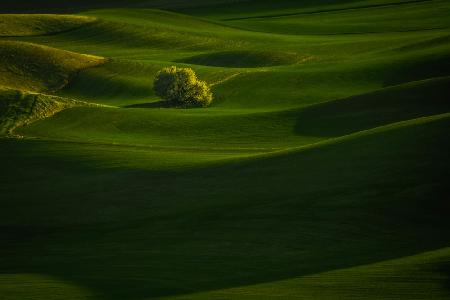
(181, 87)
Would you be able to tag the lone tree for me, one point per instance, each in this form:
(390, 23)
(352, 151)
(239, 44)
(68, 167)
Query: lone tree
(180, 86)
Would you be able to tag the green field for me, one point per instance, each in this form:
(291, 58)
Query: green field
(320, 171)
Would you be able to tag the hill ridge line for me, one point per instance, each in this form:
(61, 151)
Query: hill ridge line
(328, 11)
(367, 132)
(42, 106)
(269, 153)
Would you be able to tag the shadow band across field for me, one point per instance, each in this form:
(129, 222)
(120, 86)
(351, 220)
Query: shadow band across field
(398, 103)
(188, 231)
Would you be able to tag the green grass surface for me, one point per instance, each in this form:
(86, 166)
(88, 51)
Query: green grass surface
(38, 68)
(416, 16)
(19, 108)
(320, 171)
(242, 59)
(28, 25)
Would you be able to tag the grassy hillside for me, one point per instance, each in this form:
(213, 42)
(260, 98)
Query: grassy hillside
(320, 171)
(344, 193)
(26, 25)
(19, 108)
(401, 16)
(34, 67)
(341, 284)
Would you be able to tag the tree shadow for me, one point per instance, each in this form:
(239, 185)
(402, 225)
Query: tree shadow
(157, 104)
(161, 104)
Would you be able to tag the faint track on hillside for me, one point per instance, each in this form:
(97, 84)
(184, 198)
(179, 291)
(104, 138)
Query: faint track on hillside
(226, 79)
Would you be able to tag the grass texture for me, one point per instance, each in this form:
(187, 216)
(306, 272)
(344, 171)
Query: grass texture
(319, 172)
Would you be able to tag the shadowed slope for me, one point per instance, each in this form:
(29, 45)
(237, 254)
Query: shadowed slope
(388, 280)
(37, 68)
(187, 231)
(407, 101)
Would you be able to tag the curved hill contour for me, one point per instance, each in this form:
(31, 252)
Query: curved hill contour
(32, 67)
(15, 25)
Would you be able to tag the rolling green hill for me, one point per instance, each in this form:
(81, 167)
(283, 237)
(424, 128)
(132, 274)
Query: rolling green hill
(18, 108)
(320, 171)
(28, 25)
(34, 67)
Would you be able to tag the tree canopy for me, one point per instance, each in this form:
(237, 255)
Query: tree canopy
(181, 87)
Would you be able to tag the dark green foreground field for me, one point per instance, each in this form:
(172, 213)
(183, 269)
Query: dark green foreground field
(321, 171)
